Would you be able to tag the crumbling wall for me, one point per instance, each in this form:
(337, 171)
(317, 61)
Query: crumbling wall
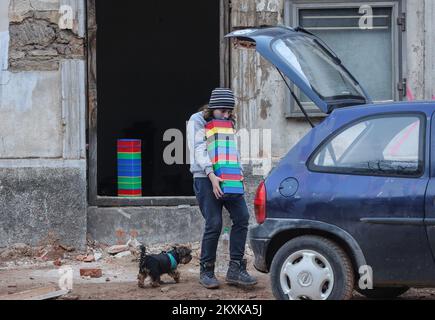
(42, 127)
(4, 36)
(38, 44)
(420, 49)
(42, 96)
(261, 93)
(261, 97)
(36, 40)
(247, 13)
(416, 49)
(430, 49)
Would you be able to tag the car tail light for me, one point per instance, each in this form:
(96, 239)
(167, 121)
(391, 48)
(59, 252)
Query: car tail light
(260, 203)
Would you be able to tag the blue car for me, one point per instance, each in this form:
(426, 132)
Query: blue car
(352, 205)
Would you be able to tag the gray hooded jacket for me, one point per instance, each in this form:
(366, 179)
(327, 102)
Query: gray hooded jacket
(200, 162)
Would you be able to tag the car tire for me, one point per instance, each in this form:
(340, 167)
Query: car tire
(383, 292)
(315, 265)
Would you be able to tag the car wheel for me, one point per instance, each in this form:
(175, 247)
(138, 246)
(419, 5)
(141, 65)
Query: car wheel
(383, 293)
(312, 268)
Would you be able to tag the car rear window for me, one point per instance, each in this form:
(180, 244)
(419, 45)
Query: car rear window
(390, 145)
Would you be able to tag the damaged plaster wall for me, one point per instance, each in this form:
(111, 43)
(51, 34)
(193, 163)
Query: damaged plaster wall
(415, 43)
(420, 37)
(4, 35)
(430, 49)
(29, 104)
(32, 92)
(36, 40)
(261, 93)
(42, 127)
(31, 117)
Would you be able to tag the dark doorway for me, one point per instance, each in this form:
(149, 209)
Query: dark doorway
(157, 63)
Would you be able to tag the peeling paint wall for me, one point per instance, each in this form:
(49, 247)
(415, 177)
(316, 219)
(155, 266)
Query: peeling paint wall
(415, 35)
(42, 123)
(256, 13)
(31, 116)
(430, 49)
(420, 49)
(32, 88)
(4, 35)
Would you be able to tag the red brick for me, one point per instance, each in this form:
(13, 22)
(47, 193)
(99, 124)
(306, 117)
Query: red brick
(58, 262)
(93, 273)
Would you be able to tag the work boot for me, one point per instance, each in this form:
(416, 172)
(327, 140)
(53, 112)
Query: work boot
(207, 277)
(237, 274)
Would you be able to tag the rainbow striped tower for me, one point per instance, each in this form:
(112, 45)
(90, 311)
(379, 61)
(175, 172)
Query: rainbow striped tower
(222, 149)
(129, 168)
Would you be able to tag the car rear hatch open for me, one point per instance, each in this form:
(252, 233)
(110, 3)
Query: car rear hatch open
(309, 64)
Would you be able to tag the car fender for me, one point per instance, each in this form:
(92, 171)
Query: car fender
(274, 226)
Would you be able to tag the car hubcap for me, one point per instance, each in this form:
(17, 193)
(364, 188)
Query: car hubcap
(307, 275)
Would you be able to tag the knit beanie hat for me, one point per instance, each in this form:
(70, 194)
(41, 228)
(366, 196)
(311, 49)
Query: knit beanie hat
(222, 98)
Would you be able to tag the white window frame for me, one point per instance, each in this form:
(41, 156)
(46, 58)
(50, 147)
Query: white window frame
(291, 18)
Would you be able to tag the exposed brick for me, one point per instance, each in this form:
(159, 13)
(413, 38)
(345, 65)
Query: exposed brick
(39, 44)
(93, 273)
(57, 262)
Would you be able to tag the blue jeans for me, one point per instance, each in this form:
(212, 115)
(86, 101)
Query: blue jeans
(211, 209)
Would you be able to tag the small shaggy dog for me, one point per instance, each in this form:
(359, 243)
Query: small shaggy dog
(154, 265)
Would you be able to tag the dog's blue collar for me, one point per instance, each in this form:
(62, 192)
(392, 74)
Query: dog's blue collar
(173, 261)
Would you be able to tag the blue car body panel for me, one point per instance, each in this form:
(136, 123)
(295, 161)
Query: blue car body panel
(385, 222)
(384, 215)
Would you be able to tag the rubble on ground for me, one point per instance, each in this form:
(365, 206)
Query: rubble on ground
(117, 249)
(91, 272)
(58, 254)
(22, 254)
(16, 251)
(123, 254)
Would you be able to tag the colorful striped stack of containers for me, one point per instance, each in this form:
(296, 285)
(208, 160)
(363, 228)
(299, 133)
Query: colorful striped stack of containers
(129, 168)
(222, 149)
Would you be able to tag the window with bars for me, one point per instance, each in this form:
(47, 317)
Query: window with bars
(367, 40)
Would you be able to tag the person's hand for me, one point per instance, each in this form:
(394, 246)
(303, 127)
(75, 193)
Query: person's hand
(215, 181)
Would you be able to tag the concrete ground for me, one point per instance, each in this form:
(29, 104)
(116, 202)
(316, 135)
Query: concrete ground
(119, 280)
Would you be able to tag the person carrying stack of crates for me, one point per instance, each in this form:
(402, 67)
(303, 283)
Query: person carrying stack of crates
(218, 182)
